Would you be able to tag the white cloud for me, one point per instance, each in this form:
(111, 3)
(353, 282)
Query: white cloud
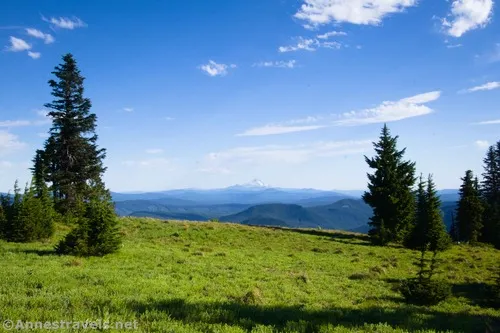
(128, 109)
(309, 45)
(277, 129)
(18, 44)
(486, 86)
(489, 122)
(66, 22)
(48, 38)
(331, 34)
(391, 111)
(34, 55)
(482, 144)
(453, 46)
(215, 69)
(43, 135)
(366, 12)
(292, 154)
(466, 15)
(9, 142)
(278, 64)
(169, 118)
(154, 151)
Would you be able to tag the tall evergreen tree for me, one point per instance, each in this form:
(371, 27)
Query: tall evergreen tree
(490, 193)
(454, 229)
(429, 231)
(390, 191)
(3, 218)
(72, 163)
(73, 157)
(418, 230)
(39, 171)
(470, 210)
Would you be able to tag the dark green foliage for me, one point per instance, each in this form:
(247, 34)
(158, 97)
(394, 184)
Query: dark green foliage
(429, 231)
(96, 233)
(390, 191)
(490, 193)
(425, 292)
(71, 158)
(28, 217)
(454, 235)
(470, 210)
(3, 218)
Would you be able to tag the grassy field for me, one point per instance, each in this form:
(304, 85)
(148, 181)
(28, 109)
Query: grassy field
(214, 277)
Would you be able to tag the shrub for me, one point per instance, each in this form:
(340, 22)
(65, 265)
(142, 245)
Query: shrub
(425, 291)
(96, 233)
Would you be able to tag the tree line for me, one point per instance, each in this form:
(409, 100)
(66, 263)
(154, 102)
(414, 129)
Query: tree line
(66, 185)
(406, 208)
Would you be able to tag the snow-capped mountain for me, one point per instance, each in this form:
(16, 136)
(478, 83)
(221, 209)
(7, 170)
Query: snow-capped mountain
(255, 184)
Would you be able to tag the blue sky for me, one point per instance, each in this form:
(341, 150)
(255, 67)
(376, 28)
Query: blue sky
(204, 94)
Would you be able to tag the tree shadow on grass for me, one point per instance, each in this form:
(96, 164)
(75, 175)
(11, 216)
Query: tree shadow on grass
(479, 293)
(247, 316)
(45, 252)
(347, 237)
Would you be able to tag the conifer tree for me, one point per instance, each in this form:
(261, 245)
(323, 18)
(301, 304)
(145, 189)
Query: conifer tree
(390, 191)
(490, 193)
(72, 163)
(454, 229)
(72, 156)
(13, 227)
(470, 210)
(418, 230)
(3, 218)
(429, 231)
(97, 233)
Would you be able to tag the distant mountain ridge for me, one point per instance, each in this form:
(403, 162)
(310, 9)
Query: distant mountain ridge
(261, 204)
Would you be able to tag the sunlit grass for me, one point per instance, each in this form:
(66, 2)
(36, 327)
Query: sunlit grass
(215, 277)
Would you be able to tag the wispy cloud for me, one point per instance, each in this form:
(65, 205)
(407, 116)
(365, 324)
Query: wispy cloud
(154, 151)
(489, 122)
(169, 118)
(278, 129)
(451, 45)
(467, 15)
(66, 22)
(390, 111)
(482, 144)
(277, 64)
(9, 142)
(331, 34)
(486, 86)
(365, 12)
(308, 44)
(18, 44)
(215, 69)
(128, 109)
(34, 55)
(291, 154)
(47, 38)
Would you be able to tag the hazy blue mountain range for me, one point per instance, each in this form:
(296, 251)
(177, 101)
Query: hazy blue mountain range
(260, 204)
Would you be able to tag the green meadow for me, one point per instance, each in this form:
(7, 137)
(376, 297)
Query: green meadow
(175, 276)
